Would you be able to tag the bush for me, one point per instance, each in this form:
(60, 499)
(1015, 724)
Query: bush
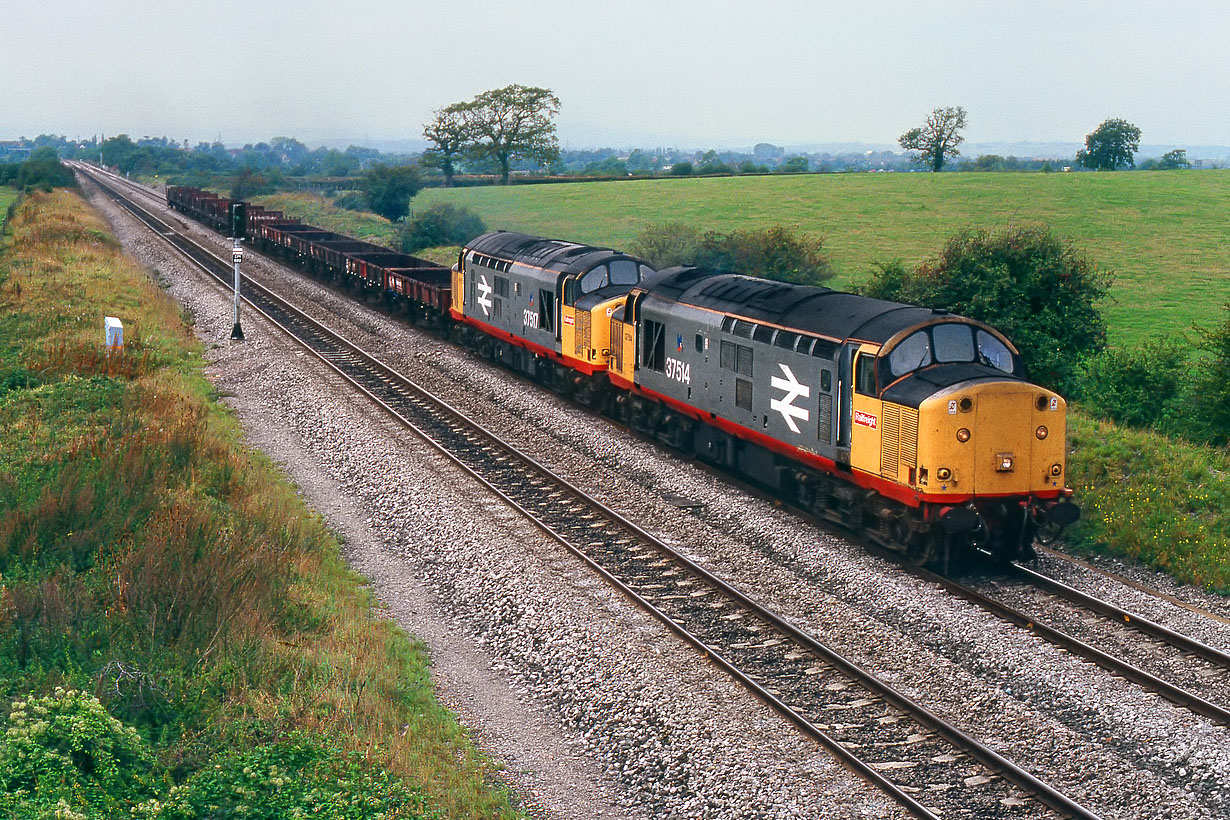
(351, 201)
(1035, 288)
(1210, 400)
(681, 169)
(390, 188)
(64, 753)
(301, 776)
(41, 172)
(775, 252)
(666, 244)
(441, 224)
(1138, 386)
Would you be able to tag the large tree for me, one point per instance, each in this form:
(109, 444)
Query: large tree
(389, 189)
(1111, 145)
(937, 140)
(450, 135)
(513, 122)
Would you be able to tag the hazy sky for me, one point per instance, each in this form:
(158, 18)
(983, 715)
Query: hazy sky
(637, 72)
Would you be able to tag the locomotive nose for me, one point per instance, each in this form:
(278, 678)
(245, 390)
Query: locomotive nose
(995, 438)
(1014, 449)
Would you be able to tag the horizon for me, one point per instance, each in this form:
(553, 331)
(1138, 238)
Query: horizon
(714, 74)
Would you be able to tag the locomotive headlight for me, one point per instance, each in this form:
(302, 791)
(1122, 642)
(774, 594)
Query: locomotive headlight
(1041, 432)
(1004, 462)
(943, 474)
(1056, 470)
(963, 435)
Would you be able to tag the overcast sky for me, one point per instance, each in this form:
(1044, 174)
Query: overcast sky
(637, 72)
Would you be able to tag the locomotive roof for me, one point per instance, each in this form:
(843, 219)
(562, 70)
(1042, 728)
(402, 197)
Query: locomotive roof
(540, 252)
(819, 310)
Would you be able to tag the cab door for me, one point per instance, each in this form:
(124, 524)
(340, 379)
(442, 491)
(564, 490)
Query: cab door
(866, 412)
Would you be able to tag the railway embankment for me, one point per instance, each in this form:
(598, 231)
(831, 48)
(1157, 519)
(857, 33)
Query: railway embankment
(1149, 498)
(176, 629)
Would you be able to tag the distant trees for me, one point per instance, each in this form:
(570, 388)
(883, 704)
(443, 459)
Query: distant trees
(389, 189)
(1173, 160)
(501, 125)
(936, 142)
(711, 164)
(41, 171)
(447, 132)
(1112, 145)
(794, 165)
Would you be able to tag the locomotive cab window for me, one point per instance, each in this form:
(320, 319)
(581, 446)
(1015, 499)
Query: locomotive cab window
(993, 352)
(865, 375)
(624, 272)
(596, 278)
(948, 343)
(953, 343)
(911, 354)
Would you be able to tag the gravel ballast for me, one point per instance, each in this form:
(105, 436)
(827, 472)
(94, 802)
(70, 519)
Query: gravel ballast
(593, 708)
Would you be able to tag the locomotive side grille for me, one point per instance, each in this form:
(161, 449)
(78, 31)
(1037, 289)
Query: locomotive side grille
(617, 345)
(826, 418)
(898, 441)
(890, 440)
(909, 438)
(582, 335)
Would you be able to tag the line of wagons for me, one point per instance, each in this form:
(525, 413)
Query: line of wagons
(419, 288)
(913, 426)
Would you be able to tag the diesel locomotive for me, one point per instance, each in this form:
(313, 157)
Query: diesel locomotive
(912, 426)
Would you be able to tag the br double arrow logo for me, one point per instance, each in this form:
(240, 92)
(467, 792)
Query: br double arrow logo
(794, 389)
(484, 295)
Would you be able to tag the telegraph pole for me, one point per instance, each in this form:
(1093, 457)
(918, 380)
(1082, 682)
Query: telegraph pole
(239, 229)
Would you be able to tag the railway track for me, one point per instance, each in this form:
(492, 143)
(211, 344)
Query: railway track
(926, 764)
(1133, 584)
(1175, 666)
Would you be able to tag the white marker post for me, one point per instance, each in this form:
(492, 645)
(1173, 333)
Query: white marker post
(236, 256)
(239, 229)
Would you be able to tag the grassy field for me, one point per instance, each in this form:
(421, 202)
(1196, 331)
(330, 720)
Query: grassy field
(7, 196)
(147, 556)
(1162, 233)
(315, 210)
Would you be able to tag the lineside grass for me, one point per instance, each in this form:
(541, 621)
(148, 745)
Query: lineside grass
(7, 196)
(1162, 233)
(1151, 498)
(319, 211)
(148, 557)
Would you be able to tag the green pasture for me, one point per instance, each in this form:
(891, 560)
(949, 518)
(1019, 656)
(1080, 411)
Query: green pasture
(1164, 234)
(8, 195)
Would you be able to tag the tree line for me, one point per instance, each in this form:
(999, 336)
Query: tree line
(1109, 147)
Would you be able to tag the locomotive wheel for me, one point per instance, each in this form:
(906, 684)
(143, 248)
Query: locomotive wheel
(920, 550)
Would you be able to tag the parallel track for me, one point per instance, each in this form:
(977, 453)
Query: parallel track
(924, 763)
(1203, 661)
